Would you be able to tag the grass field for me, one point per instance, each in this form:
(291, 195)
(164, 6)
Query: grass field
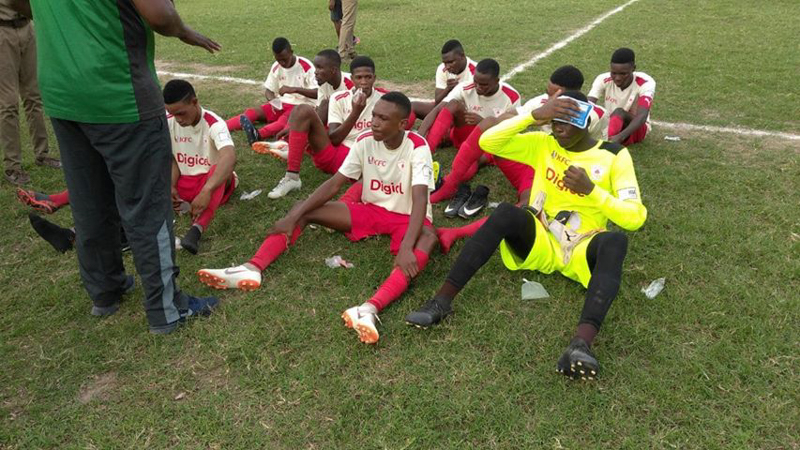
(710, 363)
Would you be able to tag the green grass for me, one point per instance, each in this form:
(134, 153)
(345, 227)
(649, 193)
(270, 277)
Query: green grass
(710, 363)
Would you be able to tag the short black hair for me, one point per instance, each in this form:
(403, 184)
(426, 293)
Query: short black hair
(568, 77)
(332, 56)
(280, 44)
(362, 61)
(178, 90)
(623, 55)
(399, 99)
(489, 67)
(452, 45)
(577, 95)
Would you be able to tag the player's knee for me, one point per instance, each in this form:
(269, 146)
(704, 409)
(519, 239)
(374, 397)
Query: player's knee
(454, 106)
(504, 216)
(488, 122)
(615, 243)
(619, 112)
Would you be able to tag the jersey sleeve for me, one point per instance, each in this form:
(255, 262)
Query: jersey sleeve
(505, 140)
(441, 77)
(335, 112)
(422, 167)
(353, 164)
(220, 135)
(598, 90)
(646, 93)
(623, 205)
(309, 80)
(271, 82)
(456, 94)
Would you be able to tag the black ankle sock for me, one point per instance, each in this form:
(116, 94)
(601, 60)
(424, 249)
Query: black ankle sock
(61, 239)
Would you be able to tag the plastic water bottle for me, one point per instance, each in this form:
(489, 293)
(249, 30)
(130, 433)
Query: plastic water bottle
(654, 288)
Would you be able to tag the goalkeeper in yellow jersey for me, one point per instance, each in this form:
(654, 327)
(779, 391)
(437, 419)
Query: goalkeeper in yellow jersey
(579, 185)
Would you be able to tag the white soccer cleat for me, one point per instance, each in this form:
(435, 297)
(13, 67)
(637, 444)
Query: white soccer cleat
(363, 322)
(285, 186)
(280, 153)
(239, 277)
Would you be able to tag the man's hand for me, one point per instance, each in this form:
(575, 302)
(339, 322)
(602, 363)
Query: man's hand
(285, 226)
(359, 101)
(282, 134)
(191, 37)
(451, 83)
(287, 90)
(576, 179)
(176, 199)
(557, 108)
(200, 203)
(471, 118)
(407, 262)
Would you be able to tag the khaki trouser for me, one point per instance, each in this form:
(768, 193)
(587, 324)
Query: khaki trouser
(18, 79)
(346, 47)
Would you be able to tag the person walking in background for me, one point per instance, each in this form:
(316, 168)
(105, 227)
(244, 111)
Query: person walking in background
(335, 7)
(18, 79)
(346, 30)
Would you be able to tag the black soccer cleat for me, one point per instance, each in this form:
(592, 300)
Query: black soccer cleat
(578, 361)
(249, 130)
(62, 239)
(431, 313)
(463, 194)
(191, 241)
(476, 202)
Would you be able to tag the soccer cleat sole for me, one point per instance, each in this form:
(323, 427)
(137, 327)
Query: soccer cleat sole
(277, 155)
(39, 205)
(260, 147)
(580, 370)
(221, 284)
(348, 322)
(367, 334)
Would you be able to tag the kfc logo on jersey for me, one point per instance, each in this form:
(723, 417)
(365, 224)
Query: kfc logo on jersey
(181, 139)
(191, 161)
(560, 158)
(376, 162)
(388, 189)
(552, 176)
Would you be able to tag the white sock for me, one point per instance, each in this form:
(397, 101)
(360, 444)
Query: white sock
(292, 175)
(368, 308)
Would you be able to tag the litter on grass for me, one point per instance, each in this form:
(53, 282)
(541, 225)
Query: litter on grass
(672, 138)
(337, 261)
(250, 195)
(655, 288)
(532, 290)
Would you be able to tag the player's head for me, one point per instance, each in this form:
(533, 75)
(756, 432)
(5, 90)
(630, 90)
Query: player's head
(390, 115)
(327, 65)
(568, 134)
(362, 72)
(453, 57)
(282, 50)
(565, 78)
(623, 63)
(487, 77)
(181, 101)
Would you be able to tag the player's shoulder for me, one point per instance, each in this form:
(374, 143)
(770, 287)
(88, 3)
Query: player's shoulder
(381, 90)
(416, 139)
(642, 78)
(510, 92)
(441, 68)
(603, 78)
(364, 136)
(467, 86)
(347, 79)
(275, 67)
(305, 64)
(611, 147)
(599, 111)
(471, 66)
(211, 118)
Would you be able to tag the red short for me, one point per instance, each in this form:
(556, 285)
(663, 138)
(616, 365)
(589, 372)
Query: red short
(330, 158)
(520, 175)
(637, 136)
(460, 134)
(368, 220)
(272, 114)
(189, 186)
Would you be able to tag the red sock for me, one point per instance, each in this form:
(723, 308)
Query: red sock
(298, 141)
(352, 194)
(439, 128)
(615, 125)
(446, 191)
(60, 199)
(447, 236)
(233, 123)
(467, 157)
(272, 247)
(396, 284)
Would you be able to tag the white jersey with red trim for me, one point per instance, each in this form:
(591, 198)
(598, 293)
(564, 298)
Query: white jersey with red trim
(598, 127)
(388, 175)
(342, 106)
(639, 93)
(505, 99)
(326, 91)
(300, 75)
(442, 75)
(196, 148)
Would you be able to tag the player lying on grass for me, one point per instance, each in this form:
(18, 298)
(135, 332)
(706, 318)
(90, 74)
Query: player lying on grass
(580, 185)
(396, 169)
(455, 68)
(628, 95)
(290, 82)
(470, 156)
(202, 167)
(349, 113)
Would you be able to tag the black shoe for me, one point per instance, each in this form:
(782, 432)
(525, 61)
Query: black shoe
(477, 201)
(62, 239)
(249, 130)
(197, 307)
(105, 311)
(578, 361)
(191, 242)
(463, 194)
(431, 313)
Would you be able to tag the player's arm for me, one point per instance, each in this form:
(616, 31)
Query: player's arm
(322, 111)
(323, 194)
(598, 88)
(23, 7)
(337, 133)
(225, 163)
(163, 18)
(176, 173)
(636, 122)
(310, 93)
(405, 258)
(426, 124)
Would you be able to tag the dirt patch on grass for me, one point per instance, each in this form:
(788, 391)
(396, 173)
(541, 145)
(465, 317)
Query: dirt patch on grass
(417, 90)
(99, 388)
(197, 68)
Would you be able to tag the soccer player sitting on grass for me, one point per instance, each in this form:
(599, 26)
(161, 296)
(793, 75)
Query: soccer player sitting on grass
(580, 185)
(290, 82)
(455, 68)
(628, 95)
(349, 113)
(396, 168)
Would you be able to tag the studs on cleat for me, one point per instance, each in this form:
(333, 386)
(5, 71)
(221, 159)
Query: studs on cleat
(580, 363)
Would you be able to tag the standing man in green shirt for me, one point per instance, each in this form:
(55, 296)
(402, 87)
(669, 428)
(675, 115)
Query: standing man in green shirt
(108, 114)
(18, 80)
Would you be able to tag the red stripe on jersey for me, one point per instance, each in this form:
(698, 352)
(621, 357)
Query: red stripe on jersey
(275, 67)
(640, 81)
(382, 90)
(645, 102)
(607, 79)
(342, 95)
(418, 140)
(599, 111)
(469, 86)
(169, 116)
(471, 68)
(304, 64)
(348, 83)
(363, 136)
(210, 120)
(512, 94)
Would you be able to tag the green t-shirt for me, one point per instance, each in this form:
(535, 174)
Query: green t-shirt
(96, 61)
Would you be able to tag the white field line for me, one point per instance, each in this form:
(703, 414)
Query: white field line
(563, 43)
(193, 76)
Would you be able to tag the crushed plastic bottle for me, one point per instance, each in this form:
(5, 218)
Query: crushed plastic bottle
(672, 138)
(337, 261)
(532, 290)
(249, 195)
(655, 288)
